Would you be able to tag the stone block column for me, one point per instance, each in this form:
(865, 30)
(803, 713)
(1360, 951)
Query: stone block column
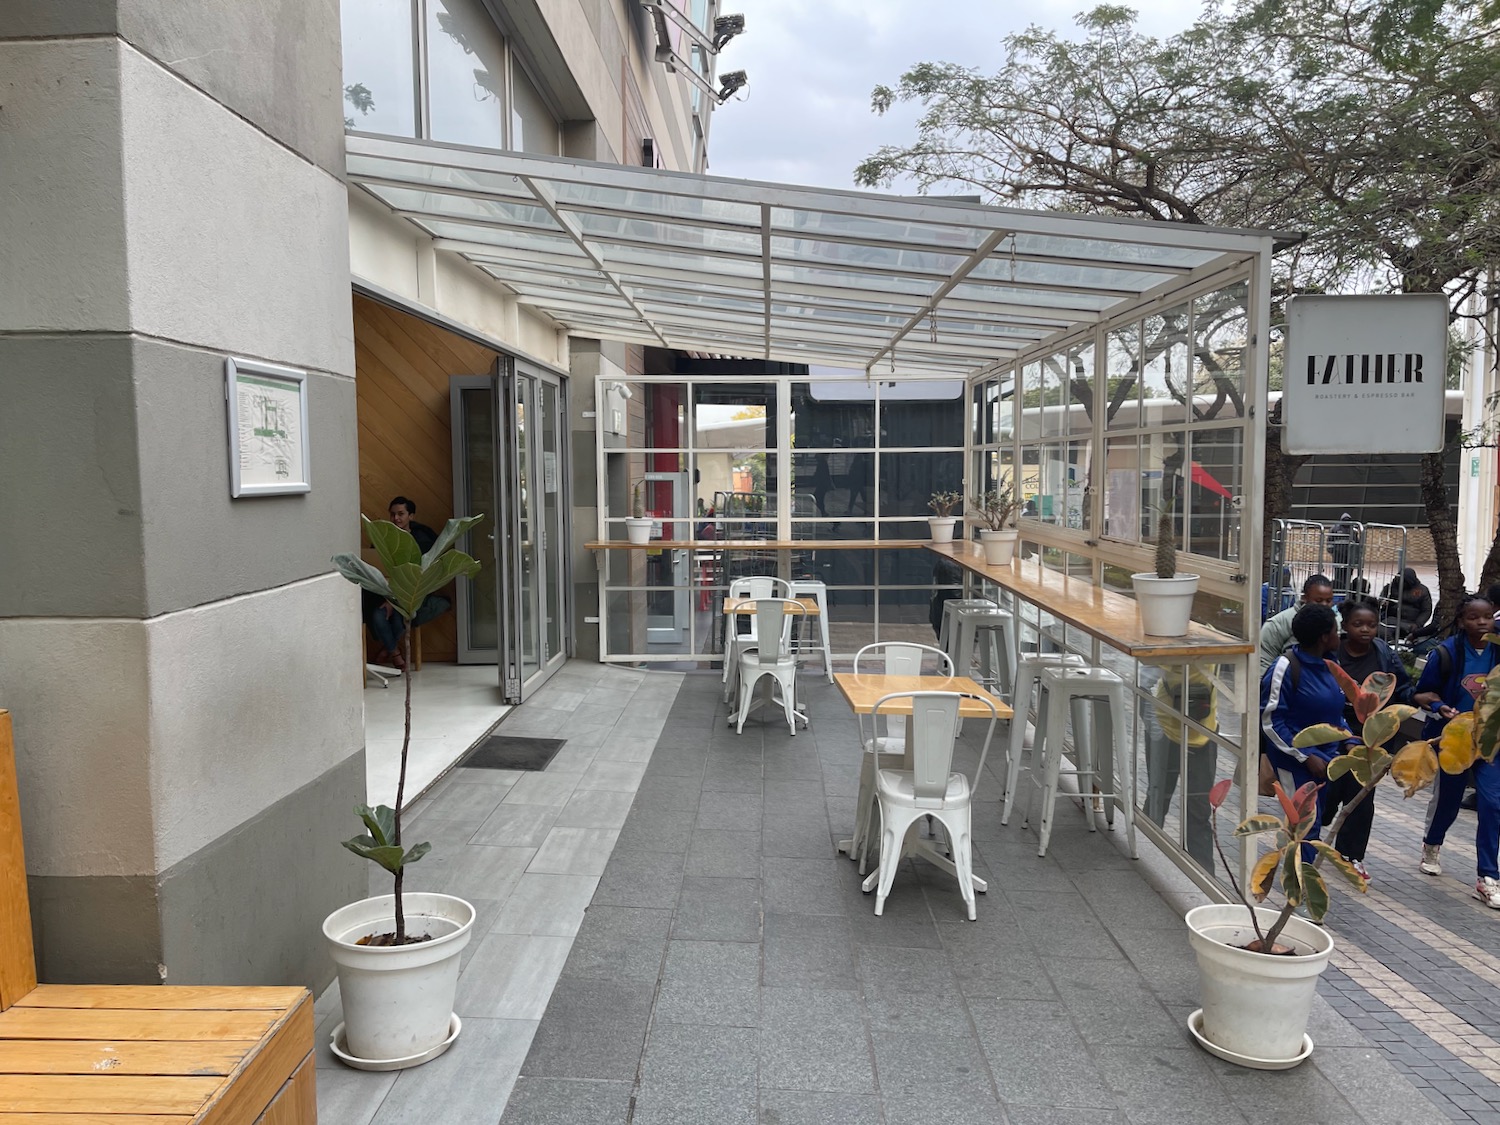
(182, 667)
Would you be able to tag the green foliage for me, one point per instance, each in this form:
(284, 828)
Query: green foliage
(378, 843)
(943, 503)
(1166, 544)
(409, 577)
(1372, 126)
(996, 509)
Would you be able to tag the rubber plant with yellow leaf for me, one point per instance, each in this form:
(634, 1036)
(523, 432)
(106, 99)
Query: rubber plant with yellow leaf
(1463, 741)
(1296, 860)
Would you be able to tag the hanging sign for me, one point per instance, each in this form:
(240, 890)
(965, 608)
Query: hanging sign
(1365, 374)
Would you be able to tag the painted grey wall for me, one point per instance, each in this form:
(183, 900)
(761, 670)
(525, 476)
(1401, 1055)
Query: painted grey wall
(275, 62)
(206, 911)
(170, 194)
(126, 512)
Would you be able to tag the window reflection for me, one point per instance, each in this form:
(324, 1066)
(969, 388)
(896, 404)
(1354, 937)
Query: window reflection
(379, 85)
(465, 74)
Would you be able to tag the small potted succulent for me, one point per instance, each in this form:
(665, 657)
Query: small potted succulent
(638, 524)
(398, 954)
(995, 512)
(942, 520)
(1164, 596)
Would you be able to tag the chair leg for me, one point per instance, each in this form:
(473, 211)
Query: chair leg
(789, 700)
(1125, 767)
(747, 689)
(1016, 746)
(827, 649)
(956, 826)
(1051, 764)
(894, 824)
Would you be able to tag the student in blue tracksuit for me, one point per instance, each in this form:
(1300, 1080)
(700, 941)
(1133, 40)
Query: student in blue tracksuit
(1293, 700)
(1452, 679)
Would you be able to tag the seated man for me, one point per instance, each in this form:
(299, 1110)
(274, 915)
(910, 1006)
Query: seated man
(386, 625)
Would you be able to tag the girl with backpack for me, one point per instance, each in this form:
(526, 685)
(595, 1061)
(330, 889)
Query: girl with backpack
(1452, 679)
(1360, 653)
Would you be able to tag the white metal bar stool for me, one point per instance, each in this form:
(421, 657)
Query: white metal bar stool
(816, 589)
(1029, 670)
(989, 635)
(946, 633)
(1104, 761)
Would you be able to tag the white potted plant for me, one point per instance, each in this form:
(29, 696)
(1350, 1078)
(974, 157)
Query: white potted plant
(1259, 966)
(1165, 597)
(995, 512)
(942, 520)
(398, 954)
(638, 525)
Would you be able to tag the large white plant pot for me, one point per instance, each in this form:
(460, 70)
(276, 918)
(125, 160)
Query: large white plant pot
(639, 530)
(1254, 1005)
(1166, 603)
(999, 546)
(942, 528)
(398, 1000)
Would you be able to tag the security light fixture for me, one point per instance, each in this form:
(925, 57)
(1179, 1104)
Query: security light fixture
(730, 84)
(726, 28)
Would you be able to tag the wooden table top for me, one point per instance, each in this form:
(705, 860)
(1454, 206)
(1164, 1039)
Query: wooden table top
(862, 691)
(756, 545)
(743, 606)
(1101, 613)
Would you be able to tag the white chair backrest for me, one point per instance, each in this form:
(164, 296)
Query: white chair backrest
(773, 627)
(759, 586)
(900, 658)
(934, 731)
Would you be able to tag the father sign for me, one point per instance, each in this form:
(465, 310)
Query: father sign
(1365, 374)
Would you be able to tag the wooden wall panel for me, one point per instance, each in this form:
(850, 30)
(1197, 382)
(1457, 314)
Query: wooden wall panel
(402, 367)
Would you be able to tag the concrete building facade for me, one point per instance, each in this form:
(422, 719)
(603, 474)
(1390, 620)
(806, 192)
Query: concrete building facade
(180, 665)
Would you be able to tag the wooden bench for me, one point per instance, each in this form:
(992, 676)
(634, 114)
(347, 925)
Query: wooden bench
(137, 1054)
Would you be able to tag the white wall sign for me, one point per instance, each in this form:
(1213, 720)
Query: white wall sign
(268, 448)
(1365, 374)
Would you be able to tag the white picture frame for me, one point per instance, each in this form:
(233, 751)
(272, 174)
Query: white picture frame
(267, 425)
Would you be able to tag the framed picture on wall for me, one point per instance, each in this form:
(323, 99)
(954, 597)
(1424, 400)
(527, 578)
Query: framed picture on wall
(268, 436)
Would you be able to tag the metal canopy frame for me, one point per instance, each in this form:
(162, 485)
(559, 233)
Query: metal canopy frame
(915, 287)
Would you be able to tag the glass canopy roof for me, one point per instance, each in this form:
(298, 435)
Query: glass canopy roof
(895, 285)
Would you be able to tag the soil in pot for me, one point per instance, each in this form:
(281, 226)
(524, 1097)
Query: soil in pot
(389, 938)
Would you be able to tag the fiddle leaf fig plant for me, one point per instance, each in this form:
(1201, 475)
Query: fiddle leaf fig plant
(405, 578)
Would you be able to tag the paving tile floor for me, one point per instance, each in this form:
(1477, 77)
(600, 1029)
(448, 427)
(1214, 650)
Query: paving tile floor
(701, 956)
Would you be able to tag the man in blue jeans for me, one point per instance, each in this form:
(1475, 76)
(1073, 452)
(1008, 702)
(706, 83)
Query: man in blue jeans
(386, 625)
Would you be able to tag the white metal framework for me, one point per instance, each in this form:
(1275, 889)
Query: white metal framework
(895, 286)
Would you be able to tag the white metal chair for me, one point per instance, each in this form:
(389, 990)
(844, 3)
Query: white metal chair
(816, 589)
(736, 640)
(930, 788)
(884, 736)
(772, 657)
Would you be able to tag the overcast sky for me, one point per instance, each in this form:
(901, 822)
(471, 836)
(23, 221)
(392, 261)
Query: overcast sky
(806, 118)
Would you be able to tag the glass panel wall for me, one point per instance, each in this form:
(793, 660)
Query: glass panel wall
(818, 461)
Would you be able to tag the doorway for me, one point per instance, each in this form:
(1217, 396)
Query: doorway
(510, 464)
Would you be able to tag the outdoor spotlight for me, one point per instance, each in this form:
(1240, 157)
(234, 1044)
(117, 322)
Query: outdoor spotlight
(730, 84)
(726, 28)
(622, 389)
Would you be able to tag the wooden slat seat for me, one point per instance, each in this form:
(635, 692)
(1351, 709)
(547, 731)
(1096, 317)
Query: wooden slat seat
(138, 1054)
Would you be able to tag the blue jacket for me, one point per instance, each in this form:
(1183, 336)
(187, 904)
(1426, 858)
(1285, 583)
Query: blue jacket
(1449, 682)
(1285, 709)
